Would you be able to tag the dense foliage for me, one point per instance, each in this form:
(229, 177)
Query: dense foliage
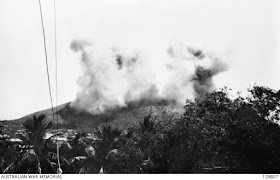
(216, 134)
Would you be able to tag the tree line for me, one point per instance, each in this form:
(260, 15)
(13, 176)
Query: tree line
(216, 134)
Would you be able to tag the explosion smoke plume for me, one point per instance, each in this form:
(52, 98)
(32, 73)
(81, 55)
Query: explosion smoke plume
(112, 78)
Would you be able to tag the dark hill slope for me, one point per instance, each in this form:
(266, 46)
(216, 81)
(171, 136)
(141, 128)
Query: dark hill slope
(69, 118)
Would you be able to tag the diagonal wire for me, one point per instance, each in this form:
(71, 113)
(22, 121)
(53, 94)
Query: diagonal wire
(56, 84)
(56, 66)
(46, 57)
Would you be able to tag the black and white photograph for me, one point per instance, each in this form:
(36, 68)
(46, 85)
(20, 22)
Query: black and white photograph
(188, 87)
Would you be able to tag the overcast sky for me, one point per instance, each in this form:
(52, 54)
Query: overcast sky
(244, 32)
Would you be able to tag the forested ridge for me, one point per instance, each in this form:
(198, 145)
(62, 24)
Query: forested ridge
(216, 134)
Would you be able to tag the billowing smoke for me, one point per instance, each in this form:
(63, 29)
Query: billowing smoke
(203, 81)
(113, 78)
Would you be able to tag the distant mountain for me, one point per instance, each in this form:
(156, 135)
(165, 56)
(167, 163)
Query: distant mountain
(69, 118)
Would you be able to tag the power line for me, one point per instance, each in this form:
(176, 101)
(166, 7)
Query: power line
(56, 87)
(46, 57)
(55, 52)
(49, 84)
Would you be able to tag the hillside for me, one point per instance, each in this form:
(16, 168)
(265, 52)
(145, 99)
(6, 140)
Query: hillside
(69, 118)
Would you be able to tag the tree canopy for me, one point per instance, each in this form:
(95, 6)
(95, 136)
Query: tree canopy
(216, 134)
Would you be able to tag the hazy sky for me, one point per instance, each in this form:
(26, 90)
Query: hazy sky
(244, 32)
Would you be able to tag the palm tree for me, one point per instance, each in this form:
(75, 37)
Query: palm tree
(6, 155)
(106, 139)
(78, 155)
(33, 148)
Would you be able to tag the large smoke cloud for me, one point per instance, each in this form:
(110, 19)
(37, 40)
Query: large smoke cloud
(113, 78)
